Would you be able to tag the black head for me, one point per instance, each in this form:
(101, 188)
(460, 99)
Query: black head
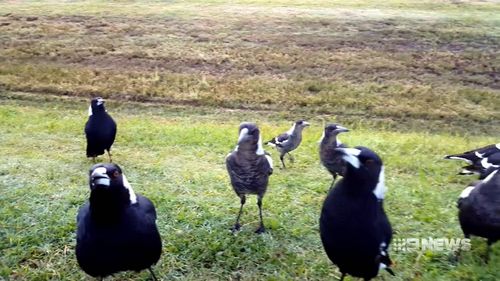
(96, 105)
(332, 130)
(249, 138)
(301, 124)
(249, 134)
(107, 180)
(364, 166)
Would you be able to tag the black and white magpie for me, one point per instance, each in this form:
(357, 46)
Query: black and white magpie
(479, 209)
(354, 228)
(249, 168)
(116, 228)
(331, 158)
(479, 160)
(100, 130)
(289, 140)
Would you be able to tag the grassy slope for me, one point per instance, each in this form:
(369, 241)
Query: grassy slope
(397, 61)
(430, 87)
(175, 157)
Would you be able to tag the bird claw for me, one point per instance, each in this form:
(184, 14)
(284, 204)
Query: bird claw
(260, 230)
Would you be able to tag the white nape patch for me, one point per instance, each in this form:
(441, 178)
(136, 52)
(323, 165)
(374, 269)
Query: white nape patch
(461, 158)
(133, 197)
(353, 160)
(380, 189)
(465, 193)
(260, 149)
(322, 137)
(100, 171)
(480, 155)
(487, 164)
(243, 133)
(488, 178)
(270, 160)
(290, 131)
(351, 151)
(235, 149)
(497, 145)
(282, 142)
(90, 110)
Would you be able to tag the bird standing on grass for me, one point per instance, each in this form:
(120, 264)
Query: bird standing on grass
(479, 209)
(481, 160)
(354, 228)
(249, 168)
(116, 228)
(100, 130)
(289, 140)
(329, 156)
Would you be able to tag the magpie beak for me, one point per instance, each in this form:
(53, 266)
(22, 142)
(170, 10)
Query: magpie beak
(100, 178)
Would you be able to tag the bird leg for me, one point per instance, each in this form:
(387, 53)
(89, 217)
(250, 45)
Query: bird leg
(261, 228)
(237, 225)
(283, 160)
(333, 182)
(109, 154)
(488, 250)
(152, 274)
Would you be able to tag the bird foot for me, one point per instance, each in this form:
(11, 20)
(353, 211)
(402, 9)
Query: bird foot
(260, 230)
(236, 228)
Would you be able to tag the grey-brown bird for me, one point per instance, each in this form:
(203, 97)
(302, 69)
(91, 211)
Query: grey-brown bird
(249, 168)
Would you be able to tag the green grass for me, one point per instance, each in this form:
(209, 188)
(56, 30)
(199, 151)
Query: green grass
(175, 156)
(414, 80)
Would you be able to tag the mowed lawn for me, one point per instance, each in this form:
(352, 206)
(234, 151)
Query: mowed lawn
(176, 156)
(414, 81)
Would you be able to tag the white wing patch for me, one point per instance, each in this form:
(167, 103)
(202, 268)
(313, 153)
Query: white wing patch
(466, 192)
(132, 196)
(380, 189)
(480, 155)
(90, 110)
(487, 164)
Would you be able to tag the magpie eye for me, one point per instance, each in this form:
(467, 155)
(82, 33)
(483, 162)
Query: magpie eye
(115, 174)
(369, 162)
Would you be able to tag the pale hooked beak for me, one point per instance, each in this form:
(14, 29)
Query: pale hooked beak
(243, 134)
(100, 101)
(306, 124)
(341, 129)
(99, 177)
